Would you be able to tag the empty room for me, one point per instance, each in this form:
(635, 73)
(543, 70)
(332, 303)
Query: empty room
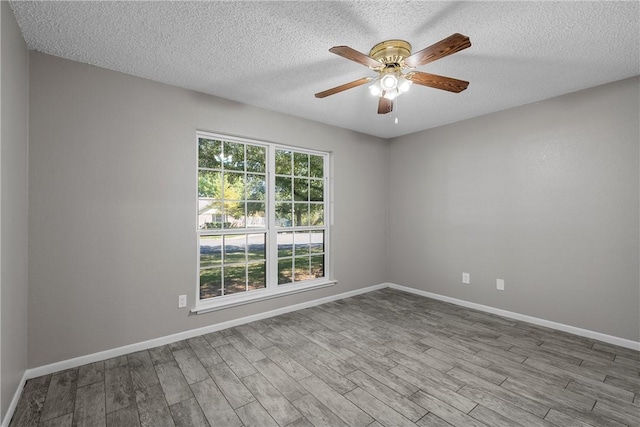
(319, 213)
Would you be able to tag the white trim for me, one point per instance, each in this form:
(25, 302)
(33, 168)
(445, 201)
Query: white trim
(622, 342)
(107, 354)
(145, 345)
(119, 351)
(14, 402)
(258, 295)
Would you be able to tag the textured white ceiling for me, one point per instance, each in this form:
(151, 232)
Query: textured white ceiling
(275, 54)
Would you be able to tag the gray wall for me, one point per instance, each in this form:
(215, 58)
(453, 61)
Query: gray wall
(14, 134)
(112, 239)
(544, 196)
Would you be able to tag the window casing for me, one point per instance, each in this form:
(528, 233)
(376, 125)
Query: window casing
(262, 220)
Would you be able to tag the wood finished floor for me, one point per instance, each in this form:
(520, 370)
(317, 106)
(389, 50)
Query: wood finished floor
(383, 358)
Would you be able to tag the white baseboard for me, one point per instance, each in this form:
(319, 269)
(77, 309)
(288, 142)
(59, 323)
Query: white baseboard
(622, 342)
(14, 401)
(145, 345)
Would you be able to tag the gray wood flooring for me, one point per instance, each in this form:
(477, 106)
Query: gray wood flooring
(385, 358)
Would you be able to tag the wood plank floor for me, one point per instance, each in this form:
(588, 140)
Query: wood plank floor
(383, 358)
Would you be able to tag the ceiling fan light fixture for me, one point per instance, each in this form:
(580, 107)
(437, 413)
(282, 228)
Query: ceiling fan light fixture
(375, 88)
(388, 82)
(404, 84)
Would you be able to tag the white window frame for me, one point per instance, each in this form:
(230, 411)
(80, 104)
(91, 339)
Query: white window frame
(272, 289)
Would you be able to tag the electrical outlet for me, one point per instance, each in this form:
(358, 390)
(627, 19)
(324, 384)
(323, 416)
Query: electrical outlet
(500, 284)
(466, 278)
(182, 301)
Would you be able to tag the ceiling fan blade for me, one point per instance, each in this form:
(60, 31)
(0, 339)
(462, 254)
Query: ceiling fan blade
(354, 55)
(452, 44)
(345, 86)
(438, 82)
(385, 105)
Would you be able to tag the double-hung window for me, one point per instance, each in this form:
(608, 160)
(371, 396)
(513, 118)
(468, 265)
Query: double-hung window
(262, 220)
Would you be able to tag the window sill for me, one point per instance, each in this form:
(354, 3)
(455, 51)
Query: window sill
(261, 295)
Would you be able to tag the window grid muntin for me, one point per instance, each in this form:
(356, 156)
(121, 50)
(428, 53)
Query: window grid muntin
(300, 177)
(296, 256)
(295, 176)
(227, 170)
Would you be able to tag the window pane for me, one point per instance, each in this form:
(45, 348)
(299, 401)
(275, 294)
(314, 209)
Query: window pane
(317, 266)
(283, 162)
(283, 215)
(300, 164)
(316, 214)
(233, 156)
(209, 153)
(234, 248)
(235, 279)
(234, 215)
(301, 267)
(283, 188)
(209, 184)
(285, 244)
(210, 283)
(256, 158)
(256, 248)
(210, 214)
(316, 166)
(301, 214)
(302, 241)
(256, 216)
(285, 272)
(301, 189)
(210, 251)
(316, 190)
(234, 186)
(256, 187)
(317, 242)
(257, 276)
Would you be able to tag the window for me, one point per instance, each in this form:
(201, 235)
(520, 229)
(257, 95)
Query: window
(261, 229)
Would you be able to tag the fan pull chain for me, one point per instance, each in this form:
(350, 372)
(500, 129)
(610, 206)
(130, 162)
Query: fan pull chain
(395, 111)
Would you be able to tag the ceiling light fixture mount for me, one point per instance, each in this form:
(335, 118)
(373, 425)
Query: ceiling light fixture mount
(391, 52)
(391, 59)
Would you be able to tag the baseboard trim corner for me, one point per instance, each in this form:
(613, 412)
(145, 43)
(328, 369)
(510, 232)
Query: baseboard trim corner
(14, 402)
(610, 339)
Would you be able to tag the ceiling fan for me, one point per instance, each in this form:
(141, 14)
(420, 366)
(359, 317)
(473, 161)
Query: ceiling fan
(393, 61)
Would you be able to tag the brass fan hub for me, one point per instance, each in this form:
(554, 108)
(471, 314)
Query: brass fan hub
(391, 51)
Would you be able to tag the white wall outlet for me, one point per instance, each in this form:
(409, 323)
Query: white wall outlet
(466, 278)
(182, 301)
(500, 284)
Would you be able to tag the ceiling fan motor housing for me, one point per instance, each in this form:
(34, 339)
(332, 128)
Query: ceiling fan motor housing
(391, 52)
